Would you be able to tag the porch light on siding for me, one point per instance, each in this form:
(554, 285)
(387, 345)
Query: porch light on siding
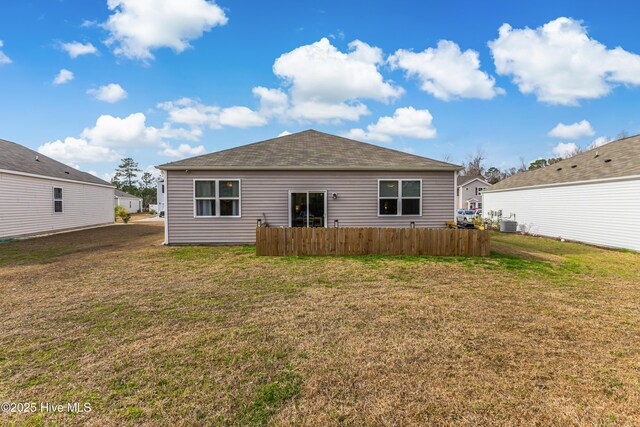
(259, 223)
(413, 224)
(336, 223)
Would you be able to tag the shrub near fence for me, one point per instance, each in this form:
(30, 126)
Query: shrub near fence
(281, 241)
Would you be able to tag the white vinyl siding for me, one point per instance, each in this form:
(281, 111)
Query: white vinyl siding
(27, 205)
(598, 213)
(130, 204)
(265, 194)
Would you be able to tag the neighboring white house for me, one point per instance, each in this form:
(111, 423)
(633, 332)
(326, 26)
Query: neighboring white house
(160, 195)
(593, 197)
(41, 195)
(129, 202)
(469, 191)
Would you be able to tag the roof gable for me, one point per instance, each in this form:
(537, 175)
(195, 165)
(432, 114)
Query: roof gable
(310, 150)
(120, 193)
(613, 160)
(17, 158)
(466, 179)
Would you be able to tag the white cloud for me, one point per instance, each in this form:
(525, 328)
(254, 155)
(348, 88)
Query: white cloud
(183, 150)
(63, 77)
(77, 150)
(406, 122)
(446, 72)
(111, 136)
(273, 102)
(560, 64)
(111, 93)
(565, 149)
(138, 27)
(284, 133)
(241, 117)
(107, 176)
(572, 131)
(599, 142)
(75, 49)
(130, 131)
(326, 84)
(190, 112)
(4, 59)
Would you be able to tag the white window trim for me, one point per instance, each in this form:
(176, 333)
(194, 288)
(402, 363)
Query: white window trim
(399, 197)
(61, 200)
(326, 206)
(217, 198)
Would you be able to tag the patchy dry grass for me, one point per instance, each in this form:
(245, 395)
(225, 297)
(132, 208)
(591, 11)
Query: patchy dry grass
(541, 333)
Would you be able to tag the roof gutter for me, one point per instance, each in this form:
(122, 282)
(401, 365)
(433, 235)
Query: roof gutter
(308, 168)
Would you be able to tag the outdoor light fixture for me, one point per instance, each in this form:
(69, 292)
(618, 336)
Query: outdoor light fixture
(413, 224)
(259, 223)
(336, 224)
(334, 196)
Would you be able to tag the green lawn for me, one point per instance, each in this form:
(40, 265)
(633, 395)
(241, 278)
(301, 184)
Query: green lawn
(540, 333)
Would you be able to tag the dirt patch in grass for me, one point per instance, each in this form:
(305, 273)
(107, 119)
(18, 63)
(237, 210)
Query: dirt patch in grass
(540, 333)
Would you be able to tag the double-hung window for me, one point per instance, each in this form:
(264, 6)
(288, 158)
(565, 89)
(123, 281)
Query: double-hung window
(57, 200)
(400, 197)
(479, 190)
(229, 196)
(217, 198)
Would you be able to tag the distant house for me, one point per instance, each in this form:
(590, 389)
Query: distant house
(593, 197)
(469, 191)
(160, 196)
(41, 195)
(129, 202)
(306, 179)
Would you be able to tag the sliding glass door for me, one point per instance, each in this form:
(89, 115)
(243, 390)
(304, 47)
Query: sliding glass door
(308, 209)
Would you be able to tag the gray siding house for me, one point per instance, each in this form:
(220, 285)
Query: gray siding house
(307, 179)
(469, 193)
(41, 195)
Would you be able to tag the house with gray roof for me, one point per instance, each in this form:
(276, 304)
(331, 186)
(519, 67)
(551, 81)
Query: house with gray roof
(41, 195)
(592, 197)
(469, 191)
(128, 201)
(306, 179)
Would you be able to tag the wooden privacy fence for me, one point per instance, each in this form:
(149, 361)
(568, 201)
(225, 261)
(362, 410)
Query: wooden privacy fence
(281, 241)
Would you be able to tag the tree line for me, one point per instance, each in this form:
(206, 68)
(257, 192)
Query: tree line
(126, 179)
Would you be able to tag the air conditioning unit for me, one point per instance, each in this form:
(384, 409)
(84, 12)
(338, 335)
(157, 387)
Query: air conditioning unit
(508, 226)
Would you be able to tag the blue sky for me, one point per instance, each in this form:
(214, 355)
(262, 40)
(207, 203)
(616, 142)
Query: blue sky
(179, 78)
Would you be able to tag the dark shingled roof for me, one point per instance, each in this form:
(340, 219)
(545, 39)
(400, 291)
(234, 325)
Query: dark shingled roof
(120, 193)
(310, 150)
(463, 179)
(613, 160)
(15, 157)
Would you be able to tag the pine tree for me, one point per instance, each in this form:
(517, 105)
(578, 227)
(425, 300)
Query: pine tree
(126, 175)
